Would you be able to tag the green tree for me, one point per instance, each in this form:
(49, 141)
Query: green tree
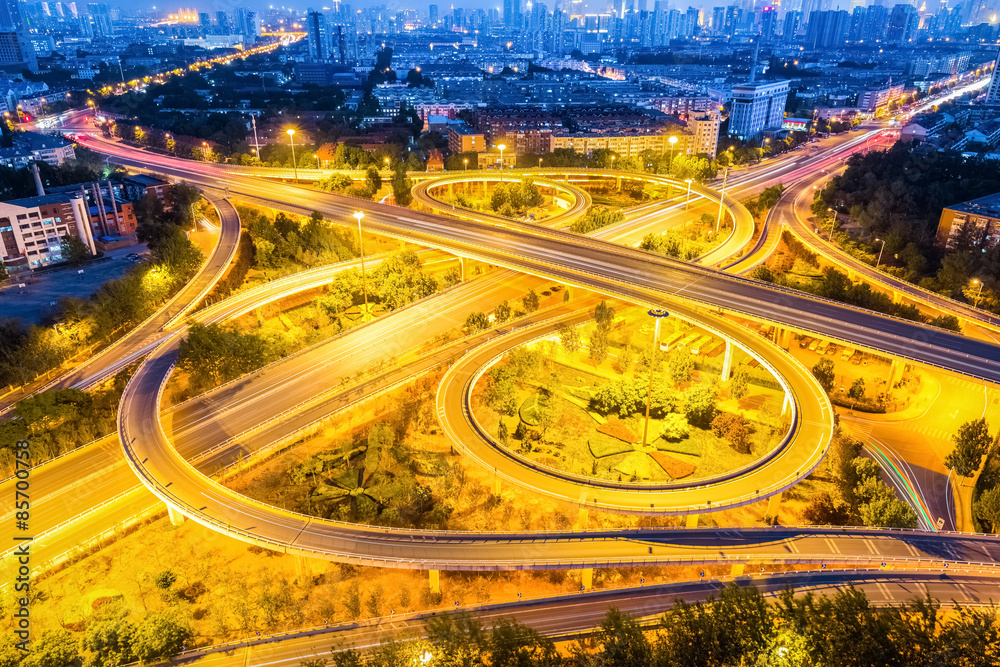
(822, 510)
(739, 383)
(109, 643)
(512, 644)
(621, 643)
(176, 252)
(458, 639)
(569, 337)
(700, 404)
(823, 372)
(604, 315)
(55, 648)
(530, 301)
(674, 427)
(160, 635)
(373, 179)
(857, 390)
(625, 356)
(680, 366)
(378, 455)
(502, 312)
(971, 443)
(499, 393)
(599, 344)
(401, 186)
(477, 322)
(74, 250)
(212, 354)
(165, 579)
(987, 508)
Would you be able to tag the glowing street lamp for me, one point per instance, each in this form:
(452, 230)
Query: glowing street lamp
(979, 292)
(879, 260)
(465, 161)
(722, 195)
(361, 248)
(670, 165)
(291, 142)
(501, 147)
(687, 202)
(386, 162)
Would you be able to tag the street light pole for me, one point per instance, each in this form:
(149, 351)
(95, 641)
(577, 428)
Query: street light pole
(718, 221)
(501, 147)
(361, 249)
(670, 165)
(836, 221)
(687, 202)
(658, 315)
(291, 141)
(879, 260)
(256, 142)
(979, 292)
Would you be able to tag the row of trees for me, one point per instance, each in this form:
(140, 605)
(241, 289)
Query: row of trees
(106, 643)
(897, 196)
(286, 243)
(740, 628)
(512, 199)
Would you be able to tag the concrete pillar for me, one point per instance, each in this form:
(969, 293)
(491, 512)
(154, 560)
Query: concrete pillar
(176, 518)
(727, 361)
(496, 485)
(737, 570)
(435, 581)
(896, 297)
(773, 505)
(895, 374)
(461, 264)
(692, 521)
(588, 578)
(784, 338)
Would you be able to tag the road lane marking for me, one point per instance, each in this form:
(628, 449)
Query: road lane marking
(832, 546)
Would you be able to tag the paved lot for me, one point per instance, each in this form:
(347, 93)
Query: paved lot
(33, 302)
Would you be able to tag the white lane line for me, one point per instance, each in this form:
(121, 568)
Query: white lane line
(832, 546)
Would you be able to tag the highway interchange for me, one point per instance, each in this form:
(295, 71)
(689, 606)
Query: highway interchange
(597, 265)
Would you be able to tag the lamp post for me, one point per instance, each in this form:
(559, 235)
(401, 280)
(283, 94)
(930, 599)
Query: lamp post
(612, 163)
(465, 161)
(386, 160)
(539, 163)
(879, 260)
(361, 249)
(204, 150)
(722, 195)
(687, 202)
(670, 165)
(657, 315)
(291, 142)
(979, 292)
(501, 147)
(836, 221)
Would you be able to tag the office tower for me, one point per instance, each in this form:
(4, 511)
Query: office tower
(993, 94)
(458, 18)
(247, 23)
(692, 21)
(903, 23)
(793, 21)
(768, 23)
(705, 127)
(512, 13)
(827, 28)
(204, 20)
(756, 107)
(222, 18)
(319, 37)
(718, 18)
(99, 17)
(15, 48)
(10, 15)
(733, 16)
(432, 13)
(875, 23)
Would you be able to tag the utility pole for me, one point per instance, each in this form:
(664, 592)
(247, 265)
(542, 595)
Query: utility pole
(658, 315)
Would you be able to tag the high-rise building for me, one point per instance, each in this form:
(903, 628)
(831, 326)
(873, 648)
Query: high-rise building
(827, 28)
(319, 37)
(768, 23)
(204, 20)
(705, 126)
(432, 13)
(10, 15)
(718, 18)
(756, 107)
(793, 21)
(222, 19)
(875, 23)
(903, 23)
(16, 49)
(993, 94)
(247, 23)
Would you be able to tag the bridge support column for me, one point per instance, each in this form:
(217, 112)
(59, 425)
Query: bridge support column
(737, 570)
(895, 374)
(461, 264)
(727, 361)
(773, 506)
(435, 581)
(496, 486)
(784, 338)
(584, 511)
(897, 297)
(176, 518)
(588, 578)
(692, 521)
